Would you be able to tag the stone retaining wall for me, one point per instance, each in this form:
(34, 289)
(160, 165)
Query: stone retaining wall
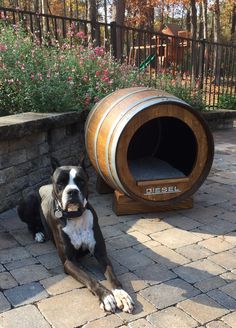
(27, 143)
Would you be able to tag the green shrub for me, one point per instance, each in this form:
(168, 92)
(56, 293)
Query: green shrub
(177, 86)
(227, 101)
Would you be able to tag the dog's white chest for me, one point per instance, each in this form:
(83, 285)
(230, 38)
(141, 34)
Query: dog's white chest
(80, 231)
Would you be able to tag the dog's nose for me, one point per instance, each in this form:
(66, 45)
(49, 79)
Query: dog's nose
(73, 192)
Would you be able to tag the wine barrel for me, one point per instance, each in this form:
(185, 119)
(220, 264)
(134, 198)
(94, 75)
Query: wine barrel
(149, 145)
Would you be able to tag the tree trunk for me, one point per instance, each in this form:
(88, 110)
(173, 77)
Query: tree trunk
(92, 16)
(233, 26)
(118, 15)
(217, 49)
(194, 36)
(204, 17)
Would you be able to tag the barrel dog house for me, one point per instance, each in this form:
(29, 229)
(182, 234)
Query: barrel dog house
(149, 145)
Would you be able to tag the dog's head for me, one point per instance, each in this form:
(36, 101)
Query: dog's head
(70, 187)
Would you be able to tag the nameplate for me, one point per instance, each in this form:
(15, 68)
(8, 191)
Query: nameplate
(161, 190)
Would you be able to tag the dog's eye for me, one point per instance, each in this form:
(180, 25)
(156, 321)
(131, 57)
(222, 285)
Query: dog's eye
(60, 186)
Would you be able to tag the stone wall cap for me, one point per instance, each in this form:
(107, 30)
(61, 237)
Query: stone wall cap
(24, 124)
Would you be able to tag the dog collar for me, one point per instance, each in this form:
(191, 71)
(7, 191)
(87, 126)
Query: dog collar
(61, 214)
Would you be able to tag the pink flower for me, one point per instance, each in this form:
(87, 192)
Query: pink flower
(3, 47)
(98, 73)
(99, 51)
(10, 81)
(106, 72)
(70, 78)
(105, 79)
(80, 35)
(31, 76)
(96, 99)
(40, 77)
(85, 78)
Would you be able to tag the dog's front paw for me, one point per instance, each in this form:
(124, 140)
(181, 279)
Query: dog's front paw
(123, 300)
(39, 237)
(108, 303)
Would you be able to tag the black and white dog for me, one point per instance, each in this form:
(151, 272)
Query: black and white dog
(62, 212)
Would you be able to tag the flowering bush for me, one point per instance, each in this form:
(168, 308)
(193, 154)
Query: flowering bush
(181, 87)
(56, 78)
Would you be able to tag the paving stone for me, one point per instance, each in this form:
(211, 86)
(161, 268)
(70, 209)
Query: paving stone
(37, 249)
(175, 238)
(219, 227)
(209, 284)
(223, 299)
(25, 294)
(169, 293)
(182, 222)
(2, 268)
(131, 282)
(111, 231)
(10, 221)
(82, 307)
(229, 276)
(199, 270)
(139, 236)
(231, 238)
(217, 324)
(23, 236)
(148, 226)
(13, 254)
(216, 244)
(4, 304)
(121, 241)
(60, 284)
(50, 260)
(165, 256)
(230, 319)
(194, 252)
(20, 263)
(7, 241)
(149, 245)
(202, 308)
(30, 273)
(131, 259)
(140, 323)
(26, 316)
(110, 321)
(118, 268)
(200, 234)
(7, 281)
(154, 274)
(230, 289)
(202, 214)
(142, 309)
(225, 259)
(172, 317)
(57, 270)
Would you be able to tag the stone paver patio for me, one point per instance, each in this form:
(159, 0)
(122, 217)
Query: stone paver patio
(180, 267)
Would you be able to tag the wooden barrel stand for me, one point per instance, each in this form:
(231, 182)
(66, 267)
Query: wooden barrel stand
(150, 147)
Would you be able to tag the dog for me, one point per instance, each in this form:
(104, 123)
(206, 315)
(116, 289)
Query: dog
(61, 212)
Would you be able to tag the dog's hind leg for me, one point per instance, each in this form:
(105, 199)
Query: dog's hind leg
(29, 212)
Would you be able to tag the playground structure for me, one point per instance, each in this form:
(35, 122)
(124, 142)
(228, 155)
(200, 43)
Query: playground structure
(163, 49)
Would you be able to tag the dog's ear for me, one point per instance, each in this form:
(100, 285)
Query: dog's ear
(55, 164)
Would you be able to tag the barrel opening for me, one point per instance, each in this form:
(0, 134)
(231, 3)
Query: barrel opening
(162, 148)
